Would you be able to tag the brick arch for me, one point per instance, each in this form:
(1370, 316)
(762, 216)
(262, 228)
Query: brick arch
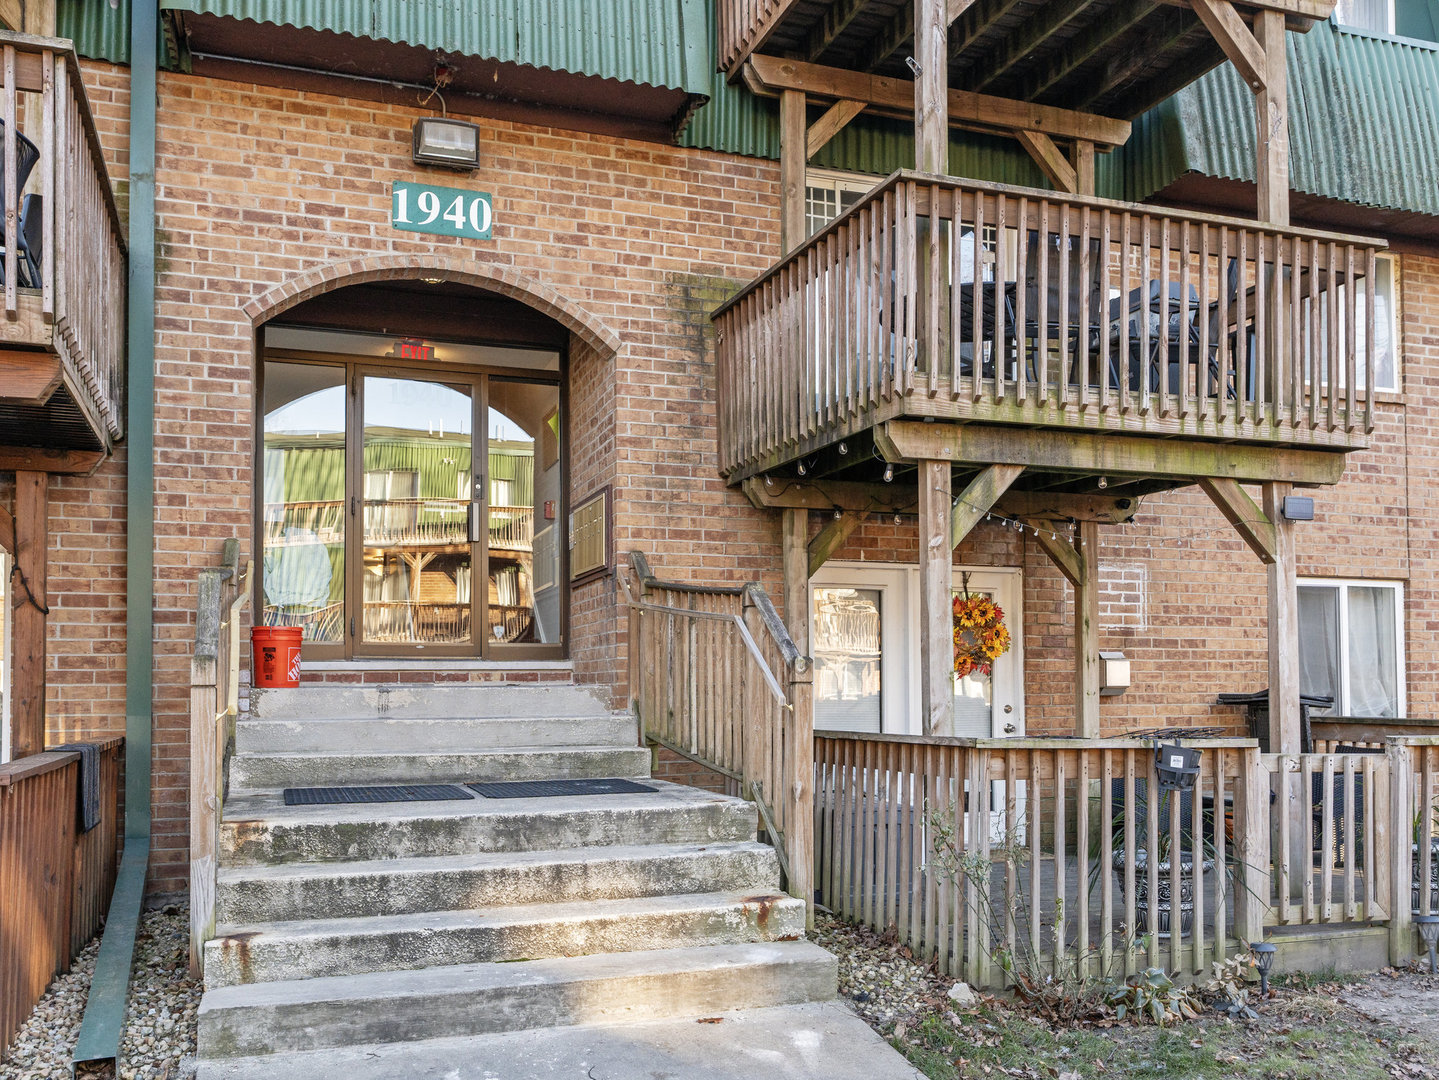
(498, 279)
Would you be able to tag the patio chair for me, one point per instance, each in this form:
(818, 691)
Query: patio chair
(27, 156)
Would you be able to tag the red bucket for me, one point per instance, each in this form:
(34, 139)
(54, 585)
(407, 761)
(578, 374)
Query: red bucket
(277, 656)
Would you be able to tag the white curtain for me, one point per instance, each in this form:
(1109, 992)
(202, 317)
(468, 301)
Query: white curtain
(1373, 667)
(1319, 641)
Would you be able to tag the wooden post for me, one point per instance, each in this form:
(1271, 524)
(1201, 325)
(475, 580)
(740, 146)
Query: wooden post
(1272, 121)
(793, 156)
(1401, 831)
(799, 754)
(28, 599)
(1251, 843)
(1082, 157)
(794, 527)
(936, 611)
(931, 86)
(1086, 634)
(1285, 736)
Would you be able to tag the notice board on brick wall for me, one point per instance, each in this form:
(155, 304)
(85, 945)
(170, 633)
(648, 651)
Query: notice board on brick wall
(590, 537)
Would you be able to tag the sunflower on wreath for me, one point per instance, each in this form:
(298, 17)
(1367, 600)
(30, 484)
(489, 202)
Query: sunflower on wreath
(980, 636)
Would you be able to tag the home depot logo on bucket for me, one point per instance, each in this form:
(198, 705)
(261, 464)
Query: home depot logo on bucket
(276, 656)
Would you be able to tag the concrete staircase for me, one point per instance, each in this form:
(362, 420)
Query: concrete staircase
(511, 938)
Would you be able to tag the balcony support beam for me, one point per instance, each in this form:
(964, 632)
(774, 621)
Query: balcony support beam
(1285, 736)
(1048, 157)
(1078, 561)
(794, 538)
(1092, 454)
(833, 536)
(830, 124)
(931, 87)
(29, 609)
(976, 500)
(769, 76)
(936, 612)
(1235, 38)
(792, 160)
(1252, 524)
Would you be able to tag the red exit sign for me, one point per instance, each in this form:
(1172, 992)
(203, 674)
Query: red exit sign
(412, 349)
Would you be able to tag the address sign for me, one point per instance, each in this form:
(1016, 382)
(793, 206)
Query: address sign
(440, 210)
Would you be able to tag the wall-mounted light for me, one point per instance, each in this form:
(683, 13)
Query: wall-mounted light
(453, 144)
(1298, 508)
(1113, 673)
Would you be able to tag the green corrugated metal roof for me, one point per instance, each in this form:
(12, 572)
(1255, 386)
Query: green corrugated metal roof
(1363, 124)
(662, 43)
(98, 30)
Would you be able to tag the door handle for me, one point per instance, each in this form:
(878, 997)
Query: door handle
(474, 514)
(1009, 729)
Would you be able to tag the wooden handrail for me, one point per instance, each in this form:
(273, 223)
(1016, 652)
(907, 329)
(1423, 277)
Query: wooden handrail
(214, 706)
(715, 677)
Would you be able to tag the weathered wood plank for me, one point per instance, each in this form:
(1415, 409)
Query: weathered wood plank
(768, 76)
(935, 609)
(792, 158)
(1085, 452)
(28, 598)
(1244, 514)
(832, 537)
(978, 497)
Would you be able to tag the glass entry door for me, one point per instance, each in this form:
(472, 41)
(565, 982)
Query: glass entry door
(415, 556)
(409, 513)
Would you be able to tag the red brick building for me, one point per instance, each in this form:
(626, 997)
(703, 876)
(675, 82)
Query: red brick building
(626, 200)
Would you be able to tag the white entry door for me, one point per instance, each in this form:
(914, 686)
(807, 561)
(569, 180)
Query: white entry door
(864, 637)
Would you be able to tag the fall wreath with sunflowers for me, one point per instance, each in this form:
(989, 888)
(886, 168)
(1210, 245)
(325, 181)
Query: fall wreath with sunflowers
(980, 636)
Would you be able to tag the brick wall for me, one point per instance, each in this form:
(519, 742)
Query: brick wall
(259, 191)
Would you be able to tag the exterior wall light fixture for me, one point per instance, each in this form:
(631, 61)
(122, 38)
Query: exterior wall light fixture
(451, 144)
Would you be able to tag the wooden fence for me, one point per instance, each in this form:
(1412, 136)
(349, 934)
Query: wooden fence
(214, 704)
(55, 881)
(983, 853)
(715, 677)
(953, 299)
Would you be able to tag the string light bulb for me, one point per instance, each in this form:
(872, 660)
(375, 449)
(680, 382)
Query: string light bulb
(1103, 482)
(888, 473)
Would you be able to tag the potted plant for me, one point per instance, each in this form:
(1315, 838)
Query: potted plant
(1155, 914)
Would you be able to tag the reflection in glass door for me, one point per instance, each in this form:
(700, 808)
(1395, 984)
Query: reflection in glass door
(417, 554)
(302, 515)
(409, 512)
(522, 534)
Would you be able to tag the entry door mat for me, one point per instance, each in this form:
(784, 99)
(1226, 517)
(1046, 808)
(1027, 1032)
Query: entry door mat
(537, 789)
(322, 796)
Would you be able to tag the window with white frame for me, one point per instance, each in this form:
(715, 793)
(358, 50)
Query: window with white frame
(829, 193)
(1351, 645)
(1386, 329)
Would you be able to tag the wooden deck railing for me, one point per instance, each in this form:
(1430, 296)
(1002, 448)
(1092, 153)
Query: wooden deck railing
(214, 705)
(951, 299)
(74, 305)
(981, 852)
(55, 881)
(1329, 819)
(715, 677)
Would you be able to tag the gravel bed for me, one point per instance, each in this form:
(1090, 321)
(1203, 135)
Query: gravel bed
(159, 1040)
(879, 977)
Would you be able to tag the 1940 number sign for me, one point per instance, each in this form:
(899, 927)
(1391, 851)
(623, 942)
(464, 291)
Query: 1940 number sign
(442, 211)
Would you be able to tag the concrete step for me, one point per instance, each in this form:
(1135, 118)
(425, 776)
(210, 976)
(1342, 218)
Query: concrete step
(493, 879)
(259, 829)
(817, 1041)
(427, 700)
(259, 772)
(427, 734)
(475, 999)
(270, 952)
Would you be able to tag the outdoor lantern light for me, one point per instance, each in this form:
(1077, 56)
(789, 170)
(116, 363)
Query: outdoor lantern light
(1177, 766)
(453, 144)
(1428, 927)
(1264, 961)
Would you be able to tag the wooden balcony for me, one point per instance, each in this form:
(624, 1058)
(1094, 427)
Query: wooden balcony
(1105, 56)
(62, 335)
(1028, 311)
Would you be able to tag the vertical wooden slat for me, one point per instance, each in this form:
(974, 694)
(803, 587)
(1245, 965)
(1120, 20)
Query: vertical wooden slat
(1326, 858)
(1060, 777)
(1176, 863)
(1222, 818)
(1351, 293)
(1331, 352)
(1197, 855)
(1263, 343)
(1106, 863)
(1105, 239)
(48, 158)
(1066, 264)
(1161, 347)
(1087, 318)
(1021, 315)
(1001, 330)
(12, 190)
(1284, 884)
(1243, 374)
(1081, 851)
(1036, 828)
(1131, 927)
(1351, 828)
(1126, 227)
(1371, 367)
(1151, 793)
(1146, 344)
(1204, 385)
(1306, 800)
(1011, 835)
(1043, 315)
(976, 299)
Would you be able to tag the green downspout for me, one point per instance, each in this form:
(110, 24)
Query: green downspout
(99, 1037)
